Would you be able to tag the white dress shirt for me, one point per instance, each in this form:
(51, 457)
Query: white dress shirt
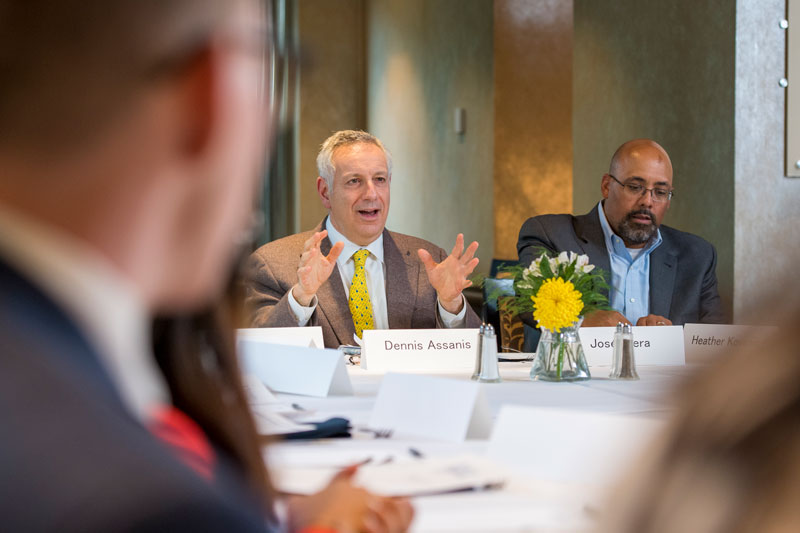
(375, 270)
(104, 305)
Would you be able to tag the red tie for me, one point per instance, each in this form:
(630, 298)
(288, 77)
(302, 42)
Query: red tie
(185, 438)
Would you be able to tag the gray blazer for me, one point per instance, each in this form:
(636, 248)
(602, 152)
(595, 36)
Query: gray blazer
(410, 298)
(683, 279)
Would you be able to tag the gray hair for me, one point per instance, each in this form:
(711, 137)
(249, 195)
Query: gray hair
(325, 165)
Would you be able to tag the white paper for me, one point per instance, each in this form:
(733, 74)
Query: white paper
(508, 510)
(652, 345)
(400, 475)
(333, 455)
(561, 445)
(296, 370)
(705, 342)
(420, 350)
(309, 336)
(431, 407)
(257, 393)
(432, 475)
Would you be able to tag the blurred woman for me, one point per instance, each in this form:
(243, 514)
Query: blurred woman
(197, 357)
(730, 461)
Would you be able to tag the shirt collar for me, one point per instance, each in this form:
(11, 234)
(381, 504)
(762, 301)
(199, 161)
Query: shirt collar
(105, 305)
(614, 243)
(375, 247)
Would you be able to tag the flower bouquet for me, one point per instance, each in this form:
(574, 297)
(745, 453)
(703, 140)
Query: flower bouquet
(559, 291)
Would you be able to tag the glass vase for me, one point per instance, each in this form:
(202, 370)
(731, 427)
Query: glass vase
(559, 356)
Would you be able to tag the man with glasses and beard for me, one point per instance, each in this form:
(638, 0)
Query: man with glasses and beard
(658, 275)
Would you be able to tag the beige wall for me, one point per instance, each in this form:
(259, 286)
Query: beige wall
(533, 114)
(426, 58)
(663, 70)
(767, 203)
(547, 100)
(331, 89)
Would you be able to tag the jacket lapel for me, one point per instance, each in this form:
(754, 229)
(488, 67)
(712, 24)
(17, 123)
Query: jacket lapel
(593, 241)
(663, 269)
(332, 301)
(402, 275)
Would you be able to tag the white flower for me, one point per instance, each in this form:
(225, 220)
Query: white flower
(535, 269)
(563, 258)
(532, 271)
(587, 268)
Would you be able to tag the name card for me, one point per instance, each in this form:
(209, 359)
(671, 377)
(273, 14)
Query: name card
(431, 407)
(704, 342)
(295, 369)
(420, 350)
(309, 336)
(652, 345)
(551, 444)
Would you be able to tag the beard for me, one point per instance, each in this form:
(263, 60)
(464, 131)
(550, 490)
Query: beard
(632, 232)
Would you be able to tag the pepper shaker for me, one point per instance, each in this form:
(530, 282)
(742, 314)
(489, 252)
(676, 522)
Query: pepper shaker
(623, 363)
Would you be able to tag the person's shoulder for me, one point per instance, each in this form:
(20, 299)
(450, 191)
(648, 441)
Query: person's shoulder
(685, 242)
(96, 436)
(550, 220)
(280, 247)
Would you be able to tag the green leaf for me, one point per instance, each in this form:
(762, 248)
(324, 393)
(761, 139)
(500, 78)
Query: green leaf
(544, 266)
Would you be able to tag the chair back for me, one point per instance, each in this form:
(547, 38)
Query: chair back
(495, 312)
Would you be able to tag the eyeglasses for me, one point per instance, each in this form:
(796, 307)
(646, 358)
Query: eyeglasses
(659, 194)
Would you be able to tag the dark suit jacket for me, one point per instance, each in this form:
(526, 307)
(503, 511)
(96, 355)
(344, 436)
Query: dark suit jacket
(72, 458)
(410, 298)
(683, 279)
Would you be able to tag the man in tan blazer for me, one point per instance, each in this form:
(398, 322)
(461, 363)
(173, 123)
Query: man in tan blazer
(305, 279)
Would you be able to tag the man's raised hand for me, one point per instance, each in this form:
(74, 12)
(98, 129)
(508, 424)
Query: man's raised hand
(315, 268)
(449, 277)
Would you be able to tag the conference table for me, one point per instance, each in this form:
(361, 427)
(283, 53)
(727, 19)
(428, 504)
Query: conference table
(527, 501)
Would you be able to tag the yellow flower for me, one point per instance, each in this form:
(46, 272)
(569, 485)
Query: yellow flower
(557, 304)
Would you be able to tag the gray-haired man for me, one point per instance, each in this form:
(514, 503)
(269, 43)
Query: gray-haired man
(350, 273)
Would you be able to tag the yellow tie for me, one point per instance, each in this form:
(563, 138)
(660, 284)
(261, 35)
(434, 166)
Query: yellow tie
(360, 304)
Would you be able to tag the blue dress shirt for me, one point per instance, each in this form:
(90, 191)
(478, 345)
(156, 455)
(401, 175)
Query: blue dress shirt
(630, 276)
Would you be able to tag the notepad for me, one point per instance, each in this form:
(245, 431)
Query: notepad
(401, 475)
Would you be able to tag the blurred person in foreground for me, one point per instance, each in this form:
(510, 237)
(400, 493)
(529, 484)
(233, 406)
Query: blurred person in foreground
(659, 276)
(729, 461)
(132, 134)
(197, 355)
(350, 273)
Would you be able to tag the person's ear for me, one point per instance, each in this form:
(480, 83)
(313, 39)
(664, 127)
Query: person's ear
(324, 192)
(605, 186)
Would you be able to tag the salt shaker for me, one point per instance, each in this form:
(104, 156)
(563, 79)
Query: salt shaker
(489, 372)
(623, 364)
(477, 372)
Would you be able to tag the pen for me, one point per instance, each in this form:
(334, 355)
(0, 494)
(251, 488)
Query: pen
(416, 453)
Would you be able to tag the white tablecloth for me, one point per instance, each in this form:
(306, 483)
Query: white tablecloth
(647, 396)
(525, 504)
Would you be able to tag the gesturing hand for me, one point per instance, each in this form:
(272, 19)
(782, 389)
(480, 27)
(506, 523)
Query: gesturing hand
(315, 268)
(449, 277)
(342, 506)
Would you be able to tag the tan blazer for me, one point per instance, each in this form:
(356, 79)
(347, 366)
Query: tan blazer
(410, 298)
